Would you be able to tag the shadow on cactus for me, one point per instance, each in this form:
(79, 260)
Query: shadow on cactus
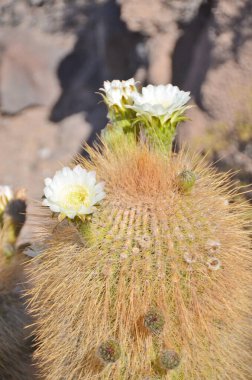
(15, 360)
(148, 269)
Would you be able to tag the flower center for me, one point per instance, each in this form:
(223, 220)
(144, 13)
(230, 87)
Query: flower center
(74, 197)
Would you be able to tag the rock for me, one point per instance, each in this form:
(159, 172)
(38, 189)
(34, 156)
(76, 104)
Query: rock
(37, 2)
(155, 17)
(33, 148)
(160, 21)
(27, 70)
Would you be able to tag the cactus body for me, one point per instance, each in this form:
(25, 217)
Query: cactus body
(147, 248)
(15, 352)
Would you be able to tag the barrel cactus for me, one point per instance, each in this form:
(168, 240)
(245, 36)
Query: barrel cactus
(144, 271)
(14, 347)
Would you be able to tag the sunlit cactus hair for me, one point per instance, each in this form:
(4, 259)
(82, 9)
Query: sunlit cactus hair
(15, 354)
(155, 283)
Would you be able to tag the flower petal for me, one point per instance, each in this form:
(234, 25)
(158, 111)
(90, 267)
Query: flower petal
(73, 192)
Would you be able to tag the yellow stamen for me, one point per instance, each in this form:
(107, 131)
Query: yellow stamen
(74, 197)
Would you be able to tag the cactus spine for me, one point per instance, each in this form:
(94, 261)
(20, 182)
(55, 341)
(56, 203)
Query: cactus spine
(157, 274)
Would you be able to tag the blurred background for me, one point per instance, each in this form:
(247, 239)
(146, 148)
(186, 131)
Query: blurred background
(55, 55)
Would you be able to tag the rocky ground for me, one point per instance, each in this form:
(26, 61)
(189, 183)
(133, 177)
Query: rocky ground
(54, 56)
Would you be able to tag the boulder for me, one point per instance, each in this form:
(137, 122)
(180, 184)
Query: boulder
(27, 71)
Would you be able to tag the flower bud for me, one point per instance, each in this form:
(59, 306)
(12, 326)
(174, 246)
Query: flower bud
(186, 180)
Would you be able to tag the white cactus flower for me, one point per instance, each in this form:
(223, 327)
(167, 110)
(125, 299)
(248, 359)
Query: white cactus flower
(160, 101)
(6, 195)
(73, 192)
(119, 92)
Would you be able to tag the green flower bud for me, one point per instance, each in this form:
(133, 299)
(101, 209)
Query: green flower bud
(186, 180)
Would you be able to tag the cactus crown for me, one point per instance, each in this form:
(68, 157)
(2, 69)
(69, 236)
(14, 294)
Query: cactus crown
(151, 274)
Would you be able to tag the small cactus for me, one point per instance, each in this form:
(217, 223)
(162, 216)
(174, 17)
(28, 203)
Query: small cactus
(150, 251)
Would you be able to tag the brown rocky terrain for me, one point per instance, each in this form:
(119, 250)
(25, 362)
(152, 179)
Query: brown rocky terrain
(54, 56)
